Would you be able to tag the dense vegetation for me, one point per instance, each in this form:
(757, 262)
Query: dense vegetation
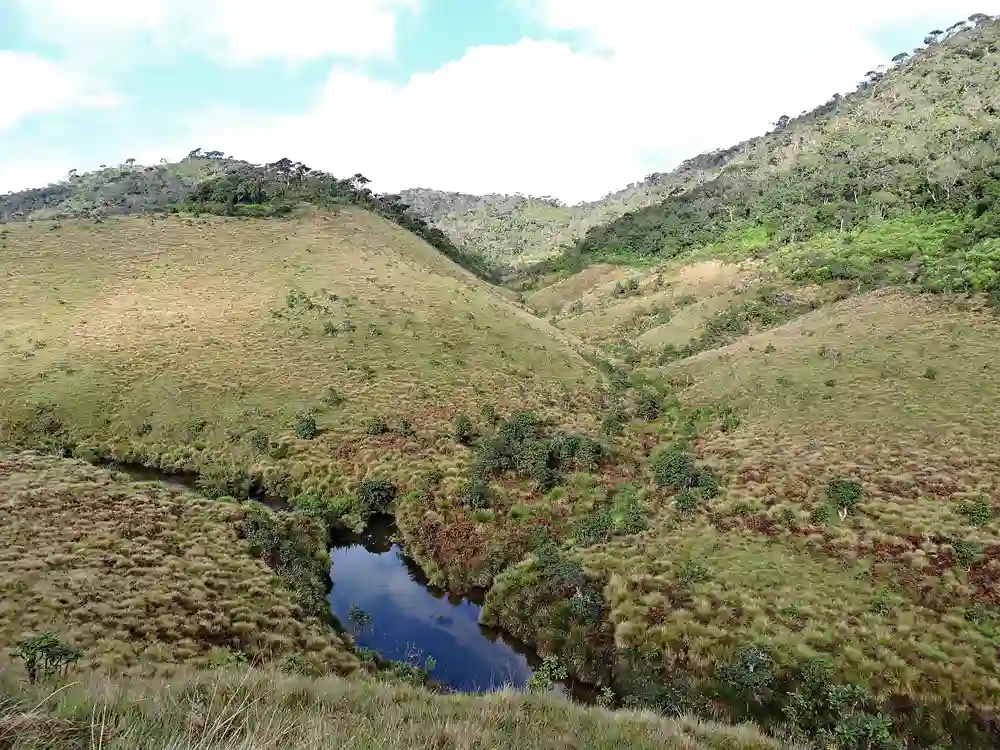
(918, 141)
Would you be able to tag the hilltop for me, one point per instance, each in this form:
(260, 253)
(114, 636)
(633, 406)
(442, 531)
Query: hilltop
(210, 182)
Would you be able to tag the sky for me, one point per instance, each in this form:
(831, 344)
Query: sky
(568, 98)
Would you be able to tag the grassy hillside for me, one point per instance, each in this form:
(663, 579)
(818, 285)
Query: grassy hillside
(850, 532)
(211, 183)
(742, 464)
(828, 306)
(311, 352)
(228, 710)
(919, 134)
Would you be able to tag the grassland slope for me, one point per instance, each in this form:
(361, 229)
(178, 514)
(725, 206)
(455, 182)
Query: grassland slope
(142, 578)
(311, 352)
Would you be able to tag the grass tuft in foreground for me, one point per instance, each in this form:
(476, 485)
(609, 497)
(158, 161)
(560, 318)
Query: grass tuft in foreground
(230, 710)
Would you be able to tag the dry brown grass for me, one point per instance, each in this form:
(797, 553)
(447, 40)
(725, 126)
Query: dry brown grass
(141, 577)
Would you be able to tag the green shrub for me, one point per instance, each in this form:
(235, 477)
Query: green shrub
(291, 544)
(648, 407)
(977, 512)
(306, 429)
(374, 496)
(45, 656)
(691, 571)
(614, 421)
(821, 515)
(687, 500)
(331, 398)
(552, 670)
(375, 426)
(475, 495)
(329, 511)
(462, 429)
(844, 493)
(489, 414)
(260, 441)
(673, 468)
(967, 553)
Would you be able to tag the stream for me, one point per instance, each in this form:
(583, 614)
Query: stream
(402, 617)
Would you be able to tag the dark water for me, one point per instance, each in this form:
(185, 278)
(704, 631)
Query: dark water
(185, 481)
(411, 620)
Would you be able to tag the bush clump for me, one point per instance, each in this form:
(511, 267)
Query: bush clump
(475, 495)
(462, 429)
(520, 446)
(374, 496)
(375, 426)
(648, 407)
(844, 493)
(306, 429)
(291, 545)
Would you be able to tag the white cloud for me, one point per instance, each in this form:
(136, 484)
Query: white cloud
(32, 86)
(660, 81)
(233, 31)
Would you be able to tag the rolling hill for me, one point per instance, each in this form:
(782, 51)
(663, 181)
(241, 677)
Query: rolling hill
(513, 231)
(740, 463)
(328, 363)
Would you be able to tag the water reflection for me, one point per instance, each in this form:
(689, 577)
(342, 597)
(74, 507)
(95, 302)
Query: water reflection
(411, 620)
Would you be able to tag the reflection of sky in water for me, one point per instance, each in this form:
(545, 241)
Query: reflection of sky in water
(407, 617)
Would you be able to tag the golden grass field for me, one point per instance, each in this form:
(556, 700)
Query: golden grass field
(143, 578)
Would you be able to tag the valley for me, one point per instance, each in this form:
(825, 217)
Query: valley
(717, 455)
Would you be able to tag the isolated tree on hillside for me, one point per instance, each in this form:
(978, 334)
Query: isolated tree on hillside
(194, 153)
(901, 58)
(72, 175)
(979, 18)
(130, 162)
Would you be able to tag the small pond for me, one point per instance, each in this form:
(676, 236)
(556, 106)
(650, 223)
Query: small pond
(410, 620)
